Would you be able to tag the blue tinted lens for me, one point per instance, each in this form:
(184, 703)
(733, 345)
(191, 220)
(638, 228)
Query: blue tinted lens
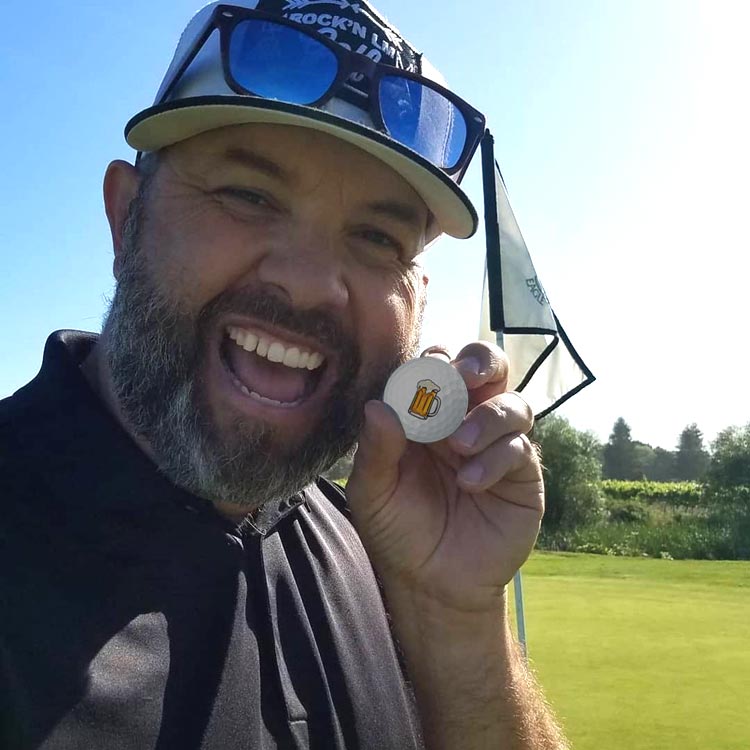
(279, 62)
(423, 120)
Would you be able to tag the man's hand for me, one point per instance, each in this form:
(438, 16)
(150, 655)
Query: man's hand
(446, 526)
(452, 520)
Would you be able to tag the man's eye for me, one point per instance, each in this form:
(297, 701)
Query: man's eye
(377, 237)
(247, 196)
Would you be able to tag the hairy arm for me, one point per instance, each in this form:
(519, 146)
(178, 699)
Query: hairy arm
(472, 685)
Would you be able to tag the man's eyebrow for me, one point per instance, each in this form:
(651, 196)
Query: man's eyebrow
(259, 163)
(401, 212)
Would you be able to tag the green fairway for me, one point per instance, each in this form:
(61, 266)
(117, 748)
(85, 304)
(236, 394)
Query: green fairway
(642, 654)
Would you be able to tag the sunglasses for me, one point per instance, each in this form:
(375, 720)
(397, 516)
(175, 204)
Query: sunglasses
(273, 58)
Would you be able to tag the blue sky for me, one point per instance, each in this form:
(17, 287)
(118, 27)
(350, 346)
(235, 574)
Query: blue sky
(621, 130)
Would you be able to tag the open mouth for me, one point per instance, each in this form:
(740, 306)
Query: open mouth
(270, 370)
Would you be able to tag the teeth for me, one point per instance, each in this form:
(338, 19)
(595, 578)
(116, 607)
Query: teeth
(248, 342)
(291, 358)
(316, 360)
(263, 399)
(275, 351)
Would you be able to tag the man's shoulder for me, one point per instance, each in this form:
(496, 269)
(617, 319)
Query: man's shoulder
(333, 494)
(37, 423)
(20, 415)
(56, 386)
(24, 436)
(326, 503)
(25, 417)
(327, 511)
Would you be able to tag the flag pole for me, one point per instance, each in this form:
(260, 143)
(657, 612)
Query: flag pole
(518, 583)
(497, 315)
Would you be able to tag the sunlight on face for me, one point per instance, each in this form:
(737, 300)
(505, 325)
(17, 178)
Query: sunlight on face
(248, 234)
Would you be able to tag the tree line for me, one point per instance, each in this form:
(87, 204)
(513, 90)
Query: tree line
(625, 458)
(693, 500)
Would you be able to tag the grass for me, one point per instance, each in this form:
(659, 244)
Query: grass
(642, 654)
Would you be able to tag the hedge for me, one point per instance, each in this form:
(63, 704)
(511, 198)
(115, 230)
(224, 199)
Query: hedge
(686, 494)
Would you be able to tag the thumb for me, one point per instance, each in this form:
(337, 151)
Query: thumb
(375, 473)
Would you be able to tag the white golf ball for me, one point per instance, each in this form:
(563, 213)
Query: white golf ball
(430, 398)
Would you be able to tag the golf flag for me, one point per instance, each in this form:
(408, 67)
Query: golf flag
(516, 312)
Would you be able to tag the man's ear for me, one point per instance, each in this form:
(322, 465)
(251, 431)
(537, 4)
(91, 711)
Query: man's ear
(120, 187)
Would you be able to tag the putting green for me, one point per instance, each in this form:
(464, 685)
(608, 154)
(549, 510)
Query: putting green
(642, 654)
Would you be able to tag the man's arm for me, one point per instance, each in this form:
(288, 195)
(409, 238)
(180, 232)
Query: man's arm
(446, 526)
(472, 685)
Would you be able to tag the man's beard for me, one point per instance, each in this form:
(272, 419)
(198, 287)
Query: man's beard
(155, 348)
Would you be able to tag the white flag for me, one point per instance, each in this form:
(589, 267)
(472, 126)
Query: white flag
(516, 312)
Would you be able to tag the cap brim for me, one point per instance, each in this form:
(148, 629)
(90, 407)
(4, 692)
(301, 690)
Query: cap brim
(165, 124)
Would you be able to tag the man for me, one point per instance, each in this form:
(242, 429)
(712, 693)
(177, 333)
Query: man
(175, 574)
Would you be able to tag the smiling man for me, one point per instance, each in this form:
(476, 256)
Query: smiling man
(283, 294)
(175, 573)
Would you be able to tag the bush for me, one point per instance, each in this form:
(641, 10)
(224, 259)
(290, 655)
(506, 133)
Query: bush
(692, 539)
(737, 498)
(572, 473)
(679, 494)
(628, 511)
(730, 461)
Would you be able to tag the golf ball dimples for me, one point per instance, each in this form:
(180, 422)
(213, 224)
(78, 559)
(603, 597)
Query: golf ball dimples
(430, 398)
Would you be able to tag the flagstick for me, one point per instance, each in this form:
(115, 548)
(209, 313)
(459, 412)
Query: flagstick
(517, 583)
(520, 622)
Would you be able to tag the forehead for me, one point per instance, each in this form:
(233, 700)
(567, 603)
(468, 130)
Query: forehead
(299, 159)
(300, 150)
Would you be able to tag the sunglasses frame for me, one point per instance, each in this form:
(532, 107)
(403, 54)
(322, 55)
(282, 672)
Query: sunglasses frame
(226, 18)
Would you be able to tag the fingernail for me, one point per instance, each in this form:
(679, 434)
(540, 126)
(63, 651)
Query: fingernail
(470, 365)
(467, 434)
(471, 473)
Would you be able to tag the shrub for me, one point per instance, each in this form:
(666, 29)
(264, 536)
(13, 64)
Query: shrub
(680, 494)
(737, 498)
(693, 539)
(572, 473)
(730, 461)
(628, 511)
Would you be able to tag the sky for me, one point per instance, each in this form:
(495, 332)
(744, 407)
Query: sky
(621, 130)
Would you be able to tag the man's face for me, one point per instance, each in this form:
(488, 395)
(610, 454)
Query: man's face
(266, 289)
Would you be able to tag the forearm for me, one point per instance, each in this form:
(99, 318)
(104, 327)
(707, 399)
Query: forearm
(473, 688)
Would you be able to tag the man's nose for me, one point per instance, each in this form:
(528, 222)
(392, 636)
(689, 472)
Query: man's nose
(308, 269)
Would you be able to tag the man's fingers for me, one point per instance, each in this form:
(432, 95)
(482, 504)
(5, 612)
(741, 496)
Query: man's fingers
(502, 415)
(481, 364)
(381, 444)
(437, 350)
(511, 458)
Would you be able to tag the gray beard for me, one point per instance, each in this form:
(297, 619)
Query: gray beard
(154, 349)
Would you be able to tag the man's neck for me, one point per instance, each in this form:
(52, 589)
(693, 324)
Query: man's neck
(97, 374)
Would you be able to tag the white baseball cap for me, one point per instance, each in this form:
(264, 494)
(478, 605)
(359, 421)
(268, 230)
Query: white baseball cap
(195, 96)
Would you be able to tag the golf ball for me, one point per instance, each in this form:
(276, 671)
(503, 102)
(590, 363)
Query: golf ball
(430, 398)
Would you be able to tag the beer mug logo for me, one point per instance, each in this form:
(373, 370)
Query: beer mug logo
(425, 403)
